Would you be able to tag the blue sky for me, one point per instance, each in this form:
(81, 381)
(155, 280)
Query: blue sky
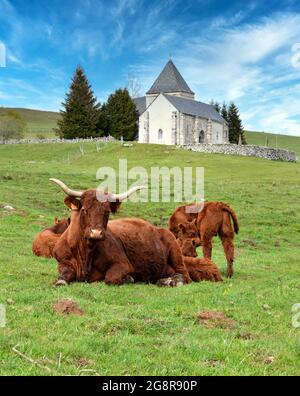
(248, 52)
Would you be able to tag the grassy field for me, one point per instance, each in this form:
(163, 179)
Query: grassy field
(39, 123)
(142, 329)
(273, 140)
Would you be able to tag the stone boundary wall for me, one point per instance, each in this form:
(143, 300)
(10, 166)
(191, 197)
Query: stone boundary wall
(57, 140)
(247, 151)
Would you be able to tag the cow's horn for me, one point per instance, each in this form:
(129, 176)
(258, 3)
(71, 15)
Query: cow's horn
(66, 189)
(127, 194)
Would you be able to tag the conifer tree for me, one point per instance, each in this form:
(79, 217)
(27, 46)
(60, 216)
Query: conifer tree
(80, 116)
(103, 124)
(216, 105)
(235, 125)
(224, 111)
(122, 115)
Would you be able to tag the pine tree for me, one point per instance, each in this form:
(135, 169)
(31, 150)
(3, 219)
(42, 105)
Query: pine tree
(216, 105)
(122, 115)
(80, 117)
(224, 112)
(103, 123)
(235, 125)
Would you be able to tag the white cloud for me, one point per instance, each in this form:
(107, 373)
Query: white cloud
(249, 64)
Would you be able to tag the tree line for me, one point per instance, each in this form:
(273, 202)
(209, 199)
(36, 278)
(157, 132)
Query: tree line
(83, 116)
(231, 114)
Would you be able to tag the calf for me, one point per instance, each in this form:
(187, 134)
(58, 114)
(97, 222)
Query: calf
(45, 241)
(202, 269)
(199, 268)
(214, 219)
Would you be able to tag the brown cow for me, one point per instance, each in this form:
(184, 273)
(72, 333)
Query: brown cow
(187, 238)
(93, 250)
(214, 219)
(202, 269)
(199, 268)
(45, 241)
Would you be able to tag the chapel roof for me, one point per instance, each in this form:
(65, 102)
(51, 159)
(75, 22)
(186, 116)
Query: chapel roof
(170, 81)
(195, 108)
(185, 106)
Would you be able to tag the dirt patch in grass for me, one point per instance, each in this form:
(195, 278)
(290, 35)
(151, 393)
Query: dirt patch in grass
(68, 307)
(83, 362)
(269, 360)
(22, 213)
(250, 242)
(214, 363)
(245, 336)
(213, 319)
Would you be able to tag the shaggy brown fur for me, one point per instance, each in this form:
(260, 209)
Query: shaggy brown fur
(199, 269)
(93, 250)
(202, 269)
(214, 219)
(187, 238)
(45, 241)
(188, 246)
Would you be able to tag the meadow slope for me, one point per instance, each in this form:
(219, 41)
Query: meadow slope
(42, 124)
(39, 123)
(274, 140)
(142, 329)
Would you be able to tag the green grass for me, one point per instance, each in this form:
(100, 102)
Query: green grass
(39, 123)
(142, 329)
(281, 141)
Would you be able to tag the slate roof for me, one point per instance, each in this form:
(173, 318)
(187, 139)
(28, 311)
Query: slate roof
(170, 80)
(192, 107)
(140, 104)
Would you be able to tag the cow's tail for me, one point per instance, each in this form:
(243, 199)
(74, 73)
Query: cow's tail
(234, 218)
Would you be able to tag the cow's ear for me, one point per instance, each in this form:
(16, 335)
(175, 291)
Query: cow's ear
(114, 206)
(56, 221)
(72, 203)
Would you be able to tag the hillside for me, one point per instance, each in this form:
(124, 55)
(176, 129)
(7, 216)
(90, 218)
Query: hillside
(39, 122)
(281, 141)
(43, 122)
(142, 329)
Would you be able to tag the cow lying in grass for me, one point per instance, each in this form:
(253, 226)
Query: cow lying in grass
(199, 268)
(214, 219)
(202, 269)
(45, 241)
(119, 252)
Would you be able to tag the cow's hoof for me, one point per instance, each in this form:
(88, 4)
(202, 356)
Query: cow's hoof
(61, 282)
(178, 280)
(174, 281)
(128, 280)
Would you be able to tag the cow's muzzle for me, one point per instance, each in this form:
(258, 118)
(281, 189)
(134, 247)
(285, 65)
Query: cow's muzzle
(96, 235)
